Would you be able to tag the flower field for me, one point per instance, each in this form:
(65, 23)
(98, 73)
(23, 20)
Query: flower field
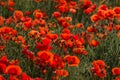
(59, 39)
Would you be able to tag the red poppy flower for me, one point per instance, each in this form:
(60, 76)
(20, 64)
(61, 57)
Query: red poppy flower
(66, 31)
(18, 14)
(117, 10)
(4, 60)
(72, 5)
(72, 10)
(63, 8)
(109, 14)
(72, 60)
(103, 7)
(20, 39)
(24, 76)
(45, 56)
(56, 14)
(109, 28)
(61, 73)
(80, 50)
(2, 78)
(95, 18)
(87, 4)
(13, 70)
(116, 71)
(101, 14)
(91, 29)
(80, 42)
(117, 78)
(27, 12)
(52, 36)
(45, 45)
(38, 14)
(11, 9)
(101, 63)
(102, 74)
(42, 22)
(11, 3)
(118, 34)
(2, 3)
(117, 27)
(1, 21)
(57, 62)
(13, 77)
(94, 43)
(27, 25)
(69, 44)
(65, 24)
(34, 34)
(99, 68)
(65, 36)
(2, 68)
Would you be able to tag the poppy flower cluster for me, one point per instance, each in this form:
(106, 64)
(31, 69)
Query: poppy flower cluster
(54, 39)
(105, 13)
(99, 68)
(7, 33)
(13, 70)
(9, 4)
(116, 72)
